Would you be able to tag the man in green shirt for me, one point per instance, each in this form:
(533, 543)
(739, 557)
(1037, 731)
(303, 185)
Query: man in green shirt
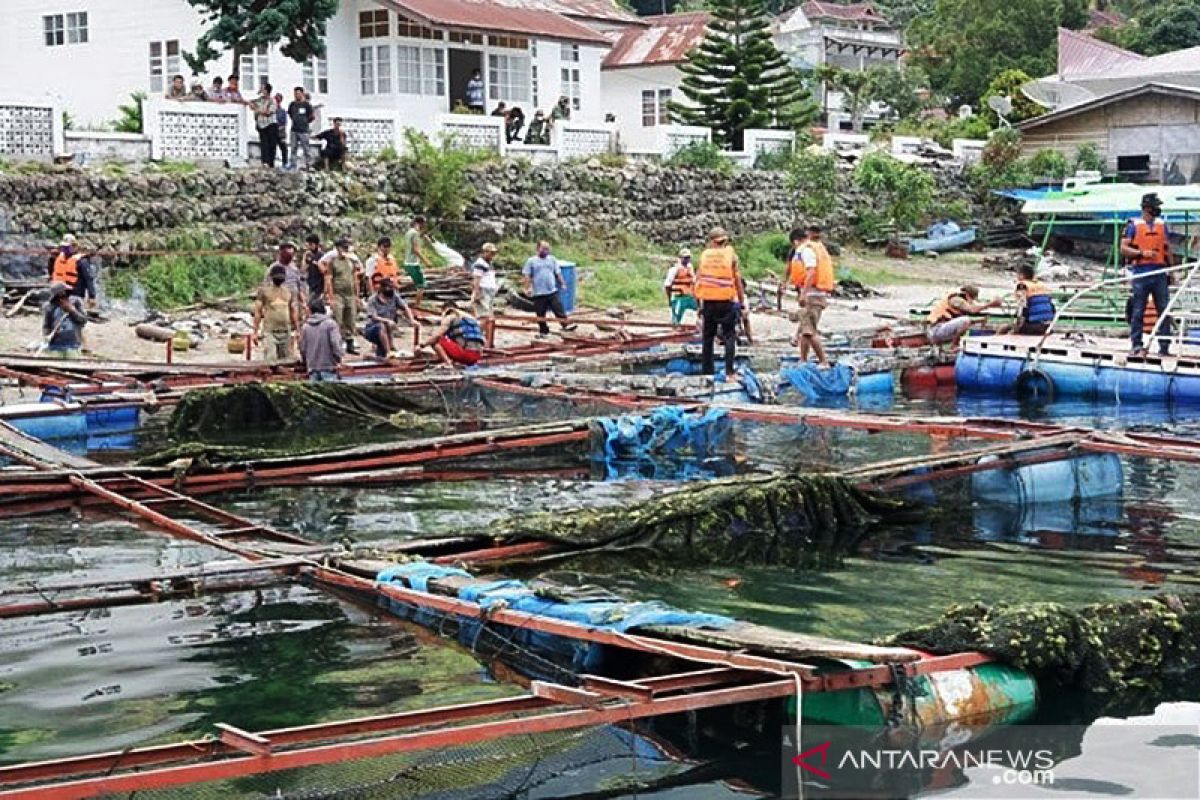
(343, 271)
(415, 258)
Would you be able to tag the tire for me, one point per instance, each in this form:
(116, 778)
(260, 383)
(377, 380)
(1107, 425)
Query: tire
(520, 302)
(1035, 385)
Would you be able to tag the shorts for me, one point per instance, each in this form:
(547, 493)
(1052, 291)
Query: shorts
(373, 333)
(413, 271)
(680, 304)
(949, 330)
(458, 353)
(485, 305)
(810, 315)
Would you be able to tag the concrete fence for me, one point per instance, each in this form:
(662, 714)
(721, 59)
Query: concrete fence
(31, 130)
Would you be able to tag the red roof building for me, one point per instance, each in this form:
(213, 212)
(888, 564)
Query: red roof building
(665, 39)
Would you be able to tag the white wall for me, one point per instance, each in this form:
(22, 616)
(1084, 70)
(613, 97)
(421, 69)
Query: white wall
(622, 95)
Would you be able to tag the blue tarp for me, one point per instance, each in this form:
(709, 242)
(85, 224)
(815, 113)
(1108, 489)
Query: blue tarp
(418, 574)
(815, 382)
(667, 430)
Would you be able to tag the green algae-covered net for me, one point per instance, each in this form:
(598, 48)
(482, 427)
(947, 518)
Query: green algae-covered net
(785, 520)
(1104, 647)
(292, 404)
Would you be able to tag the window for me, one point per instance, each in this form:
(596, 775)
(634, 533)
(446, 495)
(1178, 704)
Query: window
(409, 29)
(1133, 164)
(316, 76)
(514, 42)
(508, 77)
(421, 70)
(164, 64)
(62, 29)
(375, 69)
(570, 53)
(655, 110)
(254, 70)
(533, 85)
(408, 66)
(570, 86)
(466, 38)
(433, 71)
(374, 24)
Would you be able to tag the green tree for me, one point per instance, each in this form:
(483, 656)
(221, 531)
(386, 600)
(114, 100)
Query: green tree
(1008, 84)
(1163, 28)
(898, 88)
(1089, 158)
(854, 87)
(1049, 164)
(904, 192)
(963, 44)
(737, 79)
(241, 25)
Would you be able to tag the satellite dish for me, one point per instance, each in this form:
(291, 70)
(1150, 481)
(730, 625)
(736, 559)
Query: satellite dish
(965, 111)
(1001, 104)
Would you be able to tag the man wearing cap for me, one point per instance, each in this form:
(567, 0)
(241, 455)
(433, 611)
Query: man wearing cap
(67, 265)
(286, 257)
(722, 297)
(680, 287)
(1146, 244)
(342, 271)
(484, 288)
(276, 316)
(63, 319)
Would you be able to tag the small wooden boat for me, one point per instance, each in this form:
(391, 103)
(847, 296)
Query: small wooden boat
(941, 244)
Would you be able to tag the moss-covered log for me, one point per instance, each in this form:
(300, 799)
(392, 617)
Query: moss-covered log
(788, 519)
(1104, 647)
(291, 404)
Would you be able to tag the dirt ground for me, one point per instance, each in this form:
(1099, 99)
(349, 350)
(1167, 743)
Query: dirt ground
(902, 284)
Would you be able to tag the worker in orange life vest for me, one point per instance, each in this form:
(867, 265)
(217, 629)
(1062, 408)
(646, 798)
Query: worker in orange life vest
(1147, 247)
(68, 266)
(722, 297)
(819, 282)
(680, 287)
(953, 315)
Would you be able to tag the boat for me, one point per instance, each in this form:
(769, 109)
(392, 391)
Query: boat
(58, 419)
(942, 240)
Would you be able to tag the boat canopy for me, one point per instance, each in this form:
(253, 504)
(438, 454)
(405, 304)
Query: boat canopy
(1115, 200)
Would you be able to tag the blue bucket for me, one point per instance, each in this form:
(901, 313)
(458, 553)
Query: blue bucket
(567, 293)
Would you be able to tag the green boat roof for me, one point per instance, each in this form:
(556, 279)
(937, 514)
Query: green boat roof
(1114, 198)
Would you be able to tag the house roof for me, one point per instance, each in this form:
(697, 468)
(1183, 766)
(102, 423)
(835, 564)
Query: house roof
(598, 10)
(854, 12)
(491, 16)
(1081, 54)
(666, 39)
(1162, 89)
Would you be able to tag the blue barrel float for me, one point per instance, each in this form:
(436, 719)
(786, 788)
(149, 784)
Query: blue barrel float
(570, 278)
(1065, 481)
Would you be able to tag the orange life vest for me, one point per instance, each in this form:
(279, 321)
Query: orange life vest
(66, 269)
(715, 279)
(684, 281)
(1152, 239)
(385, 267)
(825, 279)
(943, 310)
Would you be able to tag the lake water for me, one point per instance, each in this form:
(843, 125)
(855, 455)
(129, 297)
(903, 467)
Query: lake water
(74, 683)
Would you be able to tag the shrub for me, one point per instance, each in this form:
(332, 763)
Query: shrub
(388, 155)
(775, 160)
(814, 178)
(130, 119)
(701, 155)
(904, 193)
(439, 173)
(763, 255)
(1048, 164)
(183, 279)
(1089, 157)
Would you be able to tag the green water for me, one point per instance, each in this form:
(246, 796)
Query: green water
(74, 683)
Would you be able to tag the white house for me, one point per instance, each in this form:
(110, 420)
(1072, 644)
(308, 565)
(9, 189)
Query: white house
(410, 56)
(851, 36)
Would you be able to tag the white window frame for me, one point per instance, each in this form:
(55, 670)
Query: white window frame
(315, 76)
(433, 71)
(571, 85)
(77, 27)
(569, 54)
(655, 107)
(372, 21)
(664, 106)
(510, 76)
(254, 69)
(54, 30)
(165, 65)
(375, 69)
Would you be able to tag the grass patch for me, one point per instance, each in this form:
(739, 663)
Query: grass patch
(181, 280)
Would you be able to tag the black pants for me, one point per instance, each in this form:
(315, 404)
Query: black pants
(268, 142)
(547, 302)
(723, 315)
(283, 147)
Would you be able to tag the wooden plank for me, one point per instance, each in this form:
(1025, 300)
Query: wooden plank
(39, 454)
(773, 642)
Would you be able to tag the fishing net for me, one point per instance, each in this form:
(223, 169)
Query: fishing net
(309, 406)
(1105, 647)
(781, 520)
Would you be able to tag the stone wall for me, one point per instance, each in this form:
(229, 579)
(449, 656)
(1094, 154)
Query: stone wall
(254, 208)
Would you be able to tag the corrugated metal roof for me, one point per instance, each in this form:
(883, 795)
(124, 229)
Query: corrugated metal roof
(602, 10)
(1167, 89)
(490, 16)
(815, 9)
(666, 40)
(1080, 54)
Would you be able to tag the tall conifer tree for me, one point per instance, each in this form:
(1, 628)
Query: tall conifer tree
(241, 25)
(737, 79)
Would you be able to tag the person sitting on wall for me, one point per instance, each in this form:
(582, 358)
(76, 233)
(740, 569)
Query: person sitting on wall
(953, 315)
(197, 94)
(539, 130)
(501, 110)
(514, 122)
(333, 146)
(178, 88)
(216, 92)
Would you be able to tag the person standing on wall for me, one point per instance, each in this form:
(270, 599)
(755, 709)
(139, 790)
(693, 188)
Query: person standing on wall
(342, 271)
(719, 289)
(281, 125)
(543, 280)
(415, 259)
(265, 121)
(475, 93)
(302, 115)
(1148, 249)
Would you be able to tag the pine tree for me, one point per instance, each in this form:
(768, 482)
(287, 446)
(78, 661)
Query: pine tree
(737, 79)
(241, 25)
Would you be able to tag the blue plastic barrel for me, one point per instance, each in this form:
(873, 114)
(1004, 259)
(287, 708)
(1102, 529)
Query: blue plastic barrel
(52, 426)
(1082, 478)
(875, 383)
(567, 293)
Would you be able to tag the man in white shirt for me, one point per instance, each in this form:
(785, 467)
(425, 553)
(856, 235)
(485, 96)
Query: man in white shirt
(484, 287)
